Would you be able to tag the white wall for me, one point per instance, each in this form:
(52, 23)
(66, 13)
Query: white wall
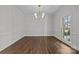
(33, 27)
(50, 25)
(72, 11)
(36, 27)
(11, 25)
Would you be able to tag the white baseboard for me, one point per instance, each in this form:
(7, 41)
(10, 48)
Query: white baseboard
(12, 42)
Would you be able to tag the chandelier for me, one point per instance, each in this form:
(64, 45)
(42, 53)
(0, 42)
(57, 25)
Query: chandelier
(39, 14)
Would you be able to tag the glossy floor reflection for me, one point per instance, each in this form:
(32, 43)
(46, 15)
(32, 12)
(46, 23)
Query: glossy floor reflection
(39, 45)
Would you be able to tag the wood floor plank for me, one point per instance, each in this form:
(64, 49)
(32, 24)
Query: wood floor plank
(39, 45)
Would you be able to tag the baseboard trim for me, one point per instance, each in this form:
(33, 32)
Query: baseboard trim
(11, 43)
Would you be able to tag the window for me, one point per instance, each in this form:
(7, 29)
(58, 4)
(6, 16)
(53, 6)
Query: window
(66, 27)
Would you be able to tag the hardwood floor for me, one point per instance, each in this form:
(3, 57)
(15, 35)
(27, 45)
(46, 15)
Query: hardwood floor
(39, 45)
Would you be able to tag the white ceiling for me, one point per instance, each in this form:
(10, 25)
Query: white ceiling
(29, 9)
